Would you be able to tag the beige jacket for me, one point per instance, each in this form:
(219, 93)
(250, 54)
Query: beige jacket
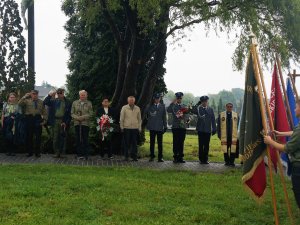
(82, 112)
(131, 118)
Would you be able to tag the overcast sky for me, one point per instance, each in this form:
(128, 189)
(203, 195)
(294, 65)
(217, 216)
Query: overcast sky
(203, 64)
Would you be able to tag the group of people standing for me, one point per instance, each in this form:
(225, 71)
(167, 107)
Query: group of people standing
(57, 112)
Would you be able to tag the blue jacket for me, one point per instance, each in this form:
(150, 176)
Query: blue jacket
(157, 117)
(53, 104)
(206, 119)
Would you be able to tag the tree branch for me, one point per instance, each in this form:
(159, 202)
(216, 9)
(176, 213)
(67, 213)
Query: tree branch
(111, 23)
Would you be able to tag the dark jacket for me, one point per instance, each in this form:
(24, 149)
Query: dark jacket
(206, 122)
(178, 122)
(53, 105)
(157, 117)
(111, 112)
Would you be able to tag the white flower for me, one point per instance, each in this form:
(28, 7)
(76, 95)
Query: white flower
(111, 129)
(98, 128)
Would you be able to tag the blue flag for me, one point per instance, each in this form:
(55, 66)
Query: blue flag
(292, 102)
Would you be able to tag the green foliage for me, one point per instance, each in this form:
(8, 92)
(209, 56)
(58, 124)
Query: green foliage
(13, 73)
(65, 195)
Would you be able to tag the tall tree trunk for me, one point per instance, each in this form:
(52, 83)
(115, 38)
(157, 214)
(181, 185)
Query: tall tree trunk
(132, 70)
(123, 51)
(151, 79)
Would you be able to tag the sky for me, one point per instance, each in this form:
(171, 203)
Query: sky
(200, 65)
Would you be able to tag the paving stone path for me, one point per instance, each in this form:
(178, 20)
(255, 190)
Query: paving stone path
(116, 162)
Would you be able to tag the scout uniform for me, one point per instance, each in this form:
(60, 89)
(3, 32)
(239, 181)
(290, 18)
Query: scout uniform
(35, 116)
(59, 113)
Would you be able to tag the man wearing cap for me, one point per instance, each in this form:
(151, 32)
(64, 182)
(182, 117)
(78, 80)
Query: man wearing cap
(59, 119)
(157, 125)
(179, 125)
(35, 117)
(227, 126)
(206, 127)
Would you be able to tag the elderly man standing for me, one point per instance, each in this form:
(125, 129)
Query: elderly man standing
(227, 126)
(131, 125)
(206, 127)
(81, 112)
(35, 117)
(59, 119)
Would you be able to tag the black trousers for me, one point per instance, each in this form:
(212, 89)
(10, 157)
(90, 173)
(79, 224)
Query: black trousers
(203, 141)
(82, 140)
(130, 142)
(296, 182)
(229, 157)
(178, 142)
(159, 135)
(105, 147)
(9, 137)
(34, 131)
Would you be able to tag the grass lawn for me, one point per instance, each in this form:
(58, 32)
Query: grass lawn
(52, 194)
(190, 148)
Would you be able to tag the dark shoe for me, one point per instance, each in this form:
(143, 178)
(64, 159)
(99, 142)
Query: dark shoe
(12, 154)
(86, 158)
(160, 160)
(8, 154)
(151, 159)
(204, 163)
(181, 161)
(110, 157)
(56, 156)
(126, 159)
(80, 157)
(226, 164)
(134, 160)
(232, 165)
(29, 155)
(175, 161)
(38, 155)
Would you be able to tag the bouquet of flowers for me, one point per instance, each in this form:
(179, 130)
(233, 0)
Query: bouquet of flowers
(180, 113)
(105, 126)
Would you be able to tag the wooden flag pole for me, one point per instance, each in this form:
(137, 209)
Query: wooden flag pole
(265, 126)
(288, 204)
(293, 79)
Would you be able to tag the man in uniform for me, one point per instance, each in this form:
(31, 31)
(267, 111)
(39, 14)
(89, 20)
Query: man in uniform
(157, 125)
(227, 126)
(206, 127)
(35, 117)
(59, 119)
(81, 113)
(179, 124)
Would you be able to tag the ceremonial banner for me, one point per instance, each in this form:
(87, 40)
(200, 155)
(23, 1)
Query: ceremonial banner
(292, 101)
(278, 113)
(252, 146)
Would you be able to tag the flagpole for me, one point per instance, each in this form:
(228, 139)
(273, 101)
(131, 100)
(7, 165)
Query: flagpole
(284, 92)
(292, 76)
(265, 126)
(272, 128)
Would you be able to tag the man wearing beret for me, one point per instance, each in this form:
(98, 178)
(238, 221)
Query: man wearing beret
(227, 126)
(59, 119)
(36, 117)
(157, 125)
(206, 127)
(179, 125)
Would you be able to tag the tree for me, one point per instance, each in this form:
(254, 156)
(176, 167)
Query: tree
(213, 105)
(140, 30)
(220, 106)
(13, 70)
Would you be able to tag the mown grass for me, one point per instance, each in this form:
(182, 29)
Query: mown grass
(190, 148)
(52, 194)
